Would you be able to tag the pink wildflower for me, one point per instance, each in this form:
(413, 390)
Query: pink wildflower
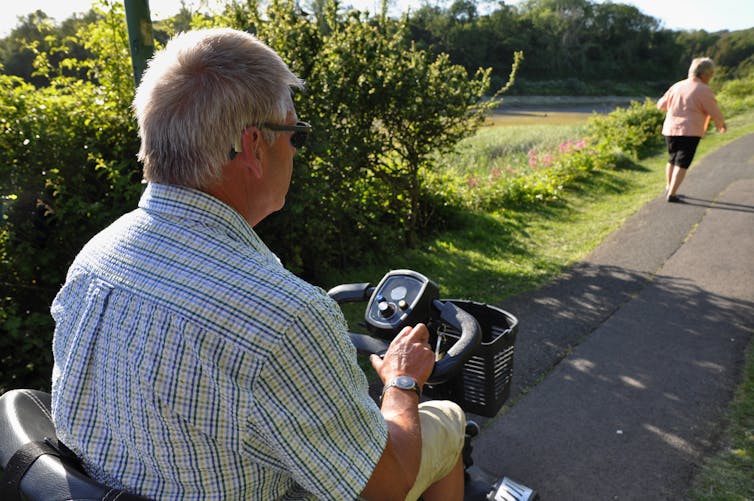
(566, 147)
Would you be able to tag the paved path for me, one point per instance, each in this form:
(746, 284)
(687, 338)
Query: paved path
(632, 356)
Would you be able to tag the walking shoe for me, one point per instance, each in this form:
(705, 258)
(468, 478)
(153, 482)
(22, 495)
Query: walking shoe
(673, 199)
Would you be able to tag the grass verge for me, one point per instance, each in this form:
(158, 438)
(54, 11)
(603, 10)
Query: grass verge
(729, 474)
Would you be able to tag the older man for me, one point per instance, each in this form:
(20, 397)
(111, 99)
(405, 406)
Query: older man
(189, 364)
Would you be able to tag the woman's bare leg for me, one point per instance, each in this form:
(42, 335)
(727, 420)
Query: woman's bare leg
(668, 176)
(677, 179)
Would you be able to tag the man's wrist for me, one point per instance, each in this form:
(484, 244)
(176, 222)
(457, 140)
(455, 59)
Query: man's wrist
(403, 383)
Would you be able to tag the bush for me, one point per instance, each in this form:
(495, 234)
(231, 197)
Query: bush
(737, 95)
(68, 154)
(626, 134)
(68, 157)
(381, 108)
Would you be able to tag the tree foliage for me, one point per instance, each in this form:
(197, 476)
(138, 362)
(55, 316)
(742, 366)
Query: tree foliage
(381, 107)
(67, 154)
(573, 46)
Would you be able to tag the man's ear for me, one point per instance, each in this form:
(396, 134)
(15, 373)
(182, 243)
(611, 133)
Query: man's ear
(251, 139)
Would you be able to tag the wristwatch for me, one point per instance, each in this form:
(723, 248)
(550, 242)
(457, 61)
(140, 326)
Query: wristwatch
(403, 383)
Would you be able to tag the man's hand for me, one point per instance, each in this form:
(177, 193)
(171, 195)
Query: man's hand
(409, 355)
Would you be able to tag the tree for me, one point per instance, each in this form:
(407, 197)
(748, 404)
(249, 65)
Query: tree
(560, 26)
(36, 41)
(622, 40)
(380, 106)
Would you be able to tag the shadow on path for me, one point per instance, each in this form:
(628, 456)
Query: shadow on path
(626, 364)
(649, 386)
(715, 204)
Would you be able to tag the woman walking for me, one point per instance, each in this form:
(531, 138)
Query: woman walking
(690, 104)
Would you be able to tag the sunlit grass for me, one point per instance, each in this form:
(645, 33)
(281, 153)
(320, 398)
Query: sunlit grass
(729, 474)
(505, 148)
(488, 256)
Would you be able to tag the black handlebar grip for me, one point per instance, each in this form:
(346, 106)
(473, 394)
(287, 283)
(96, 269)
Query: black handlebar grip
(463, 349)
(351, 293)
(368, 345)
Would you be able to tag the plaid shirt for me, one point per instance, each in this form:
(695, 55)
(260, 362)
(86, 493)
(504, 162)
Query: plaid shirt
(189, 364)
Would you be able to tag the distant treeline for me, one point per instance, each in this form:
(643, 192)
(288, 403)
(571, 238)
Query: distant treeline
(571, 47)
(575, 47)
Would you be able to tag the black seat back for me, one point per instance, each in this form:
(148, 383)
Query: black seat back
(40, 468)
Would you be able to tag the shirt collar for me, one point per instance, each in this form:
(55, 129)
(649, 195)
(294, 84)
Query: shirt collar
(188, 204)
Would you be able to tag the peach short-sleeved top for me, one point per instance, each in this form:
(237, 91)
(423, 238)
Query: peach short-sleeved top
(689, 105)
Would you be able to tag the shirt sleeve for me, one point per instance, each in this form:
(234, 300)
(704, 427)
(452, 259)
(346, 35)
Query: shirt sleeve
(311, 399)
(662, 103)
(711, 108)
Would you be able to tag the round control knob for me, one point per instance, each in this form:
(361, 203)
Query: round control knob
(386, 309)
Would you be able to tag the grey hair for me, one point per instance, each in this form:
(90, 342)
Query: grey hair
(196, 97)
(701, 66)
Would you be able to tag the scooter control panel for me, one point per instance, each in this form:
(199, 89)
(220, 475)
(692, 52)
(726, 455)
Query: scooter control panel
(403, 297)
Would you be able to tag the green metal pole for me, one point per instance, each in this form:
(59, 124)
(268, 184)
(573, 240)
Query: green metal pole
(140, 35)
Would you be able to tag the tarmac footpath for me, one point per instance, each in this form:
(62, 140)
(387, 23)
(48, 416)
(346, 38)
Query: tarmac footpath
(624, 365)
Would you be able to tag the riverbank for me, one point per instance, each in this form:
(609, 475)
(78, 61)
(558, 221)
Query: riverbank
(555, 110)
(591, 103)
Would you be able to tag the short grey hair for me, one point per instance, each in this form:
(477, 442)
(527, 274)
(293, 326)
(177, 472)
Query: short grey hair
(196, 97)
(701, 66)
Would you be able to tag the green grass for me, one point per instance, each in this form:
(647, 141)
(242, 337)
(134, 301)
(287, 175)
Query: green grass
(508, 152)
(494, 255)
(729, 474)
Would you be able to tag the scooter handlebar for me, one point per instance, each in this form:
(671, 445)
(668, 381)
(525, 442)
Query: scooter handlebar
(351, 293)
(415, 296)
(463, 349)
(457, 355)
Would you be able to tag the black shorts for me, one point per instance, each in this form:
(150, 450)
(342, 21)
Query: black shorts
(681, 149)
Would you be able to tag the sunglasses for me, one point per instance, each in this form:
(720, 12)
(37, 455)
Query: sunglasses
(300, 132)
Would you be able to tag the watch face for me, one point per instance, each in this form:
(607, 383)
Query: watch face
(405, 382)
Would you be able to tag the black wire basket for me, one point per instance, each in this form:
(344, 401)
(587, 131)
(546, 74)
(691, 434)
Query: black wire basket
(483, 385)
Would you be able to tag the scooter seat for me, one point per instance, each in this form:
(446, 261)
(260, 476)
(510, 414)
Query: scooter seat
(35, 465)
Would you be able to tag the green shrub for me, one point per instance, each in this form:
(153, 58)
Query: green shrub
(626, 134)
(67, 154)
(737, 95)
(381, 108)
